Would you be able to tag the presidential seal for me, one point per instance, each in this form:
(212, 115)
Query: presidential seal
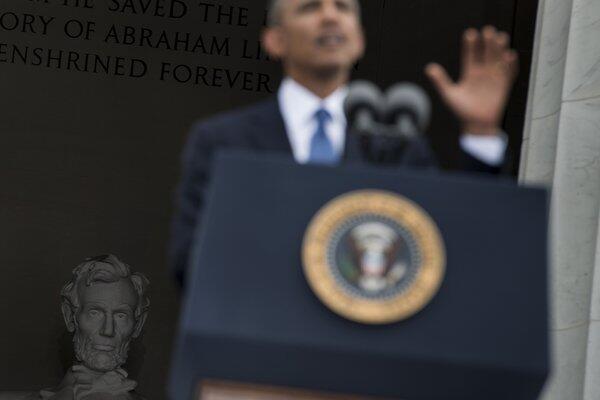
(373, 256)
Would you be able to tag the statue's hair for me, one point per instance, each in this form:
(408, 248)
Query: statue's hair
(274, 11)
(106, 269)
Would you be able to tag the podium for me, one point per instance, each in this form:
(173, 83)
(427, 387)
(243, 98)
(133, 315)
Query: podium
(250, 321)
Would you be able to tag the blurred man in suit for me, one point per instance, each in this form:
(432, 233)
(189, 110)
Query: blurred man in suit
(318, 42)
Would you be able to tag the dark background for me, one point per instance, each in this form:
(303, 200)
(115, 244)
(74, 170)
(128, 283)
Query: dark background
(88, 163)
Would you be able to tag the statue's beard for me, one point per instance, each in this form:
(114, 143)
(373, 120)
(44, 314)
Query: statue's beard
(98, 360)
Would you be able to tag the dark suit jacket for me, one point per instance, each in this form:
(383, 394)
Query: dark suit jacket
(261, 128)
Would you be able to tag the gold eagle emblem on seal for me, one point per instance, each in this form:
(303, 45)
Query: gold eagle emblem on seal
(373, 256)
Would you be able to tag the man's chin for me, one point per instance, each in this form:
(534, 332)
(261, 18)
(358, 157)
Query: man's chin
(330, 68)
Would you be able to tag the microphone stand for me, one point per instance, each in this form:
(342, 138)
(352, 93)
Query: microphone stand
(383, 144)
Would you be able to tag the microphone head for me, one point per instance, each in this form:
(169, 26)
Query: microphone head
(408, 99)
(363, 96)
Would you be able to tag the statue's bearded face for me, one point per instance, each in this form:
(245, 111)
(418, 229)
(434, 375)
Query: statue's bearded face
(105, 324)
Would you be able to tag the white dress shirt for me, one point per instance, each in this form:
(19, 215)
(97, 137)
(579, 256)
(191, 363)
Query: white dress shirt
(298, 106)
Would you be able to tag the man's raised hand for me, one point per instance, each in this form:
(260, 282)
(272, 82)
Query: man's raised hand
(488, 70)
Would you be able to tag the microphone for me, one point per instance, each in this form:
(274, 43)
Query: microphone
(408, 109)
(364, 108)
(386, 125)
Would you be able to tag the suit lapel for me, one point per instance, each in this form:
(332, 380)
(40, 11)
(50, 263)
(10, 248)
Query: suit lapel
(267, 132)
(352, 151)
(267, 129)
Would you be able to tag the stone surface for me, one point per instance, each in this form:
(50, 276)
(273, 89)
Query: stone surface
(551, 57)
(545, 93)
(568, 366)
(562, 149)
(592, 369)
(537, 166)
(575, 209)
(582, 77)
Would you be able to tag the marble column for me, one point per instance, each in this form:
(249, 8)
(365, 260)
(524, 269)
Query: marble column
(561, 149)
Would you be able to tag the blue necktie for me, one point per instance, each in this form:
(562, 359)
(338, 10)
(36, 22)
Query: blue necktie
(321, 148)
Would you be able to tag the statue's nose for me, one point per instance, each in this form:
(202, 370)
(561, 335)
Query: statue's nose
(108, 328)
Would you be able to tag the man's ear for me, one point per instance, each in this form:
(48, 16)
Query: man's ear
(68, 312)
(273, 42)
(139, 324)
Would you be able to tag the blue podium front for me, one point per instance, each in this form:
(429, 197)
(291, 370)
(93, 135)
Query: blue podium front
(250, 316)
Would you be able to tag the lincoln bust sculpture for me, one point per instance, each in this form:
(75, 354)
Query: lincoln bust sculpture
(105, 306)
